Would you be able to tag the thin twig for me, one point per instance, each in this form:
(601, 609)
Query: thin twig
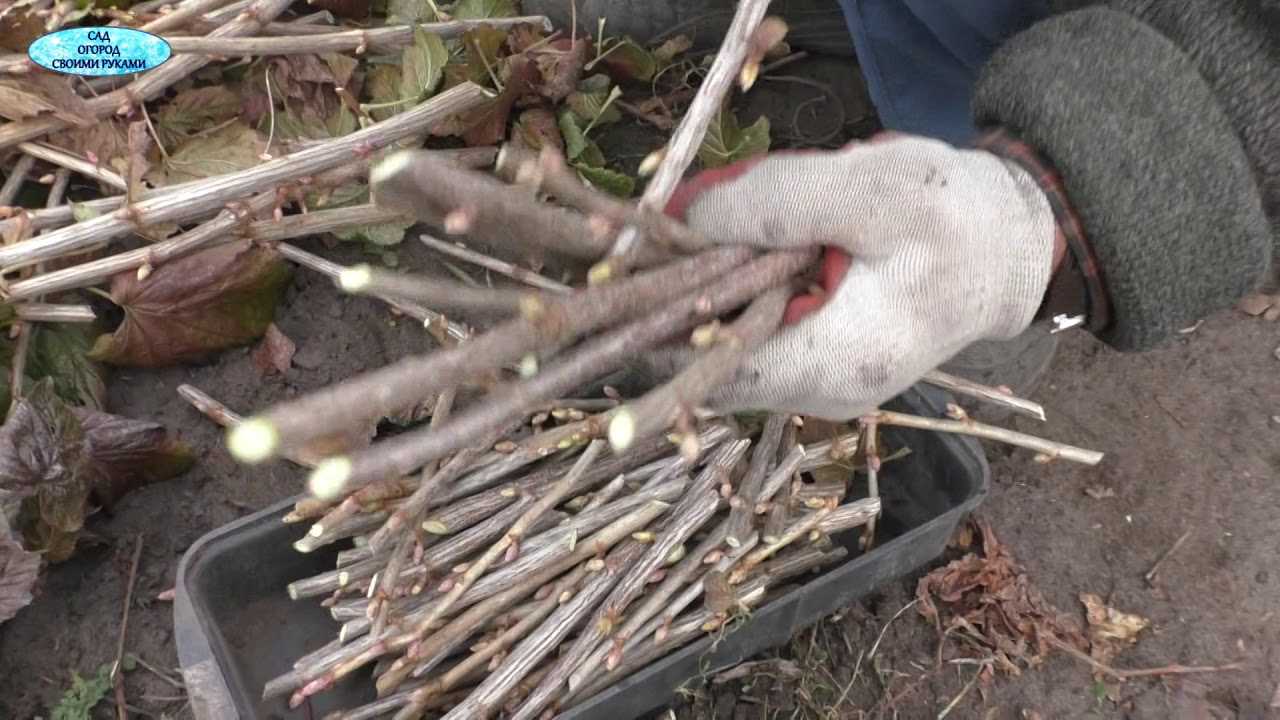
(226, 417)
(683, 146)
(996, 396)
(514, 272)
(117, 672)
(1122, 675)
(333, 271)
(79, 165)
(1046, 448)
(871, 450)
(13, 183)
(368, 280)
(1150, 577)
(547, 171)
(179, 16)
(742, 507)
(55, 313)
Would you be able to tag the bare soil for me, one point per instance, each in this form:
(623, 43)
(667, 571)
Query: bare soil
(1191, 431)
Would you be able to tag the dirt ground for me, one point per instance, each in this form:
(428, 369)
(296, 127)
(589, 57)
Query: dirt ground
(1192, 434)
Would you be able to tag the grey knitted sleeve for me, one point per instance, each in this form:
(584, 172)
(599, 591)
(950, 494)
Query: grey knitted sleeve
(1156, 165)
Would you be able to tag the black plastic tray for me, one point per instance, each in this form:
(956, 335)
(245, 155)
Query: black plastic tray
(236, 627)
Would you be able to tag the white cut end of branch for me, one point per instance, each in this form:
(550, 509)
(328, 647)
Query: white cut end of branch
(390, 167)
(356, 278)
(253, 440)
(650, 164)
(330, 477)
(622, 430)
(528, 366)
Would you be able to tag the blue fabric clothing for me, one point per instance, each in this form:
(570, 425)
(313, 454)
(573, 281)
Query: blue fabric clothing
(922, 57)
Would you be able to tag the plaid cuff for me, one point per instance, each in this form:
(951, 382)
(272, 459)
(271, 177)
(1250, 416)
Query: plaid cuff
(1079, 273)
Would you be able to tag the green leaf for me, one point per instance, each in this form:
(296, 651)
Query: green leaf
(230, 149)
(592, 102)
(578, 149)
(610, 181)
(83, 211)
(77, 703)
(726, 142)
(187, 309)
(575, 142)
(628, 62)
(422, 66)
(381, 235)
(410, 12)
(481, 9)
(193, 110)
(482, 46)
(383, 85)
(61, 352)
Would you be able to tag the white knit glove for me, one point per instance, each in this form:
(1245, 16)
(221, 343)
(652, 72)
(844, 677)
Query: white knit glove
(948, 247)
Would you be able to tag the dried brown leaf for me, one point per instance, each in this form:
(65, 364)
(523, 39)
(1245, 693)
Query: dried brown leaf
(124, 454)
(991, 600)
(43, 460)
(195, 110)
(41, 93)
(275, 352)
(1109, 629)
(105, 143)
(560, 66)
(629, 62)
(214, 299)
(230, 149)
(537, 128)
(483, 45)
(487, 125)
(19, 570)
(19, 26)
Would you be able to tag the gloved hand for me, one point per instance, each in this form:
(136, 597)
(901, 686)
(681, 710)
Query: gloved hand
(943, 247)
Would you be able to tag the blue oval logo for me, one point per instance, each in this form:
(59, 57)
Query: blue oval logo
(99, 51)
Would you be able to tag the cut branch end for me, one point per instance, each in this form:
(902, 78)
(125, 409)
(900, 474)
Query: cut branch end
(253, 441)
